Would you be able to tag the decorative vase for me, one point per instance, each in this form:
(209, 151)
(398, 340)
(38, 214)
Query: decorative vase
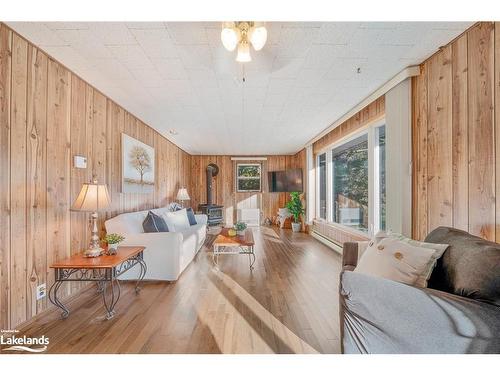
(112, 248)
(240, 232)
(296, 227)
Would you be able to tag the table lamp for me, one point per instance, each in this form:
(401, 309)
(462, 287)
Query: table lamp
(182, 195)
(92, 198)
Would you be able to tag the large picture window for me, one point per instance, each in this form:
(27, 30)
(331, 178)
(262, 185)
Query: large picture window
(351, 182)
(248, 177)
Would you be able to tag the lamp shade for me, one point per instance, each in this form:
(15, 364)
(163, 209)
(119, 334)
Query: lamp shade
(258, 37)
(182, 195)
(92, 198)
(243, 52)
(230, 36)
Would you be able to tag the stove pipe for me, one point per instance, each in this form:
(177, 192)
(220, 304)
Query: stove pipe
(212, 171)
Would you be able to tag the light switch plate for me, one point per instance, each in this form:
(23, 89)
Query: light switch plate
(41, 291)
(80, 161)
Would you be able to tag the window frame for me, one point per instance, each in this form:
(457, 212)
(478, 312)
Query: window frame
(238, 178)
(371, 130)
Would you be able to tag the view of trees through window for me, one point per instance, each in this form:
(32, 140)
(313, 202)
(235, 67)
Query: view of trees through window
(381, 180)
(350, 184)
(322, 185)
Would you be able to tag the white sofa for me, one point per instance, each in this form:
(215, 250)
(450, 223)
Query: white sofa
(167, 254)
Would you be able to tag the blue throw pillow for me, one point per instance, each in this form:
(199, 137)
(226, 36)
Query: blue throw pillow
(154, 223)
(191, 217)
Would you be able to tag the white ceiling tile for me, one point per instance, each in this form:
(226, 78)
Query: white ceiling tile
(195, 56)
(178, 75)
(115, 33)
(170, 68)
(38, 33)
(67, 25)
(187, 33)
(286, 67)
(145, 25)
(132, 56)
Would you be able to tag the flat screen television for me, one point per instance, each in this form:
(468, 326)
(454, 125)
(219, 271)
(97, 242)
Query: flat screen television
(285, 181)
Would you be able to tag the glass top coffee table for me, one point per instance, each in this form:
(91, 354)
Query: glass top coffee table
(242, 244)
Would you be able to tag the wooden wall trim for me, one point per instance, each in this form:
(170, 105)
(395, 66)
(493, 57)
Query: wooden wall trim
(369, 114)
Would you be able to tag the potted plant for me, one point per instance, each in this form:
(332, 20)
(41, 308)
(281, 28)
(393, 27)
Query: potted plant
(113, 239)
(296, 209)
(240, 227)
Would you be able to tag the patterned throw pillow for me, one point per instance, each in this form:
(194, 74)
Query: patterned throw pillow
(439, 250)
(396, 260)
(154, 223)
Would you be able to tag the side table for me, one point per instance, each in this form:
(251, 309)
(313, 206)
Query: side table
(104, 270)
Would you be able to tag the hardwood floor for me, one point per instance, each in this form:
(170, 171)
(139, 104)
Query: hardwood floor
(288, 304)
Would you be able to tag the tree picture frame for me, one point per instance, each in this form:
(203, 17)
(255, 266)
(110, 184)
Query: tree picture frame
(138, 166)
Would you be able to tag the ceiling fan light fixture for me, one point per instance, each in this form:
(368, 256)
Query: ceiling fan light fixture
(241, 34)
(243, 52)
(258, 37)
(230, 36)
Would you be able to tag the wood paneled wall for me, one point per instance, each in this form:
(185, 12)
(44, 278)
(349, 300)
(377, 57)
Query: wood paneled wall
(456, 136)
(224, 184)
(48, 115)
(372, 112)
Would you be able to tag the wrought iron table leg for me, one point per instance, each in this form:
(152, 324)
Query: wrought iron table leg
(111, 303)
(250, 255)
(144, 269)
(100, 286)
(215, 256)
(55, 300)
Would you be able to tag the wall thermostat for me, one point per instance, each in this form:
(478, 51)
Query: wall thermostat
(80, 161)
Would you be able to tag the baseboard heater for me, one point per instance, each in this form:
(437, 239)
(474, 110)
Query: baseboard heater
(328, 242)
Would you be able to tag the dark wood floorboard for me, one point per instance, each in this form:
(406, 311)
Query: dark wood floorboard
(287, 304)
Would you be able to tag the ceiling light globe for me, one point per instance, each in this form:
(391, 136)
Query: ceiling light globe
(230, 38)
(243, 53)
(258, 37)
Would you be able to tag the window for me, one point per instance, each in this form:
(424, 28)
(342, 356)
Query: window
(352, 184)
(380, 165)
(248, 177)
(322, 185)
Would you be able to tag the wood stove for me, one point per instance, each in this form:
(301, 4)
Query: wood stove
(213, 211)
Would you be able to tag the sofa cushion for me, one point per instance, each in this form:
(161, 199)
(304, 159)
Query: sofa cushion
(154, 223)
(470, 267)
(177, 221)
(396, 260)
(190, 215)
(438, 249)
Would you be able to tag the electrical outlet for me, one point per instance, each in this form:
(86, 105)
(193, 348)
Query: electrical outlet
(41, 291)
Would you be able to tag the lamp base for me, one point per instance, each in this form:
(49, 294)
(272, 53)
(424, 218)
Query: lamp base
(92, 253)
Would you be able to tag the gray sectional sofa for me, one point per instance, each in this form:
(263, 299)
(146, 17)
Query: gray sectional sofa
(459, 311)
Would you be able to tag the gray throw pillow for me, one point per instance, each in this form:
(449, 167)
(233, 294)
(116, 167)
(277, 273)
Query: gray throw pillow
(154, 223)
(470, 267)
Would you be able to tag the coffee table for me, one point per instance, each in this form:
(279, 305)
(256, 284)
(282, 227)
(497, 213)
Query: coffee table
(242, 244)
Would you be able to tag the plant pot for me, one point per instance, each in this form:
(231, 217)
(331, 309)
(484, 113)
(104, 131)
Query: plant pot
(296, 227)
(240, 232)
(112, 248)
